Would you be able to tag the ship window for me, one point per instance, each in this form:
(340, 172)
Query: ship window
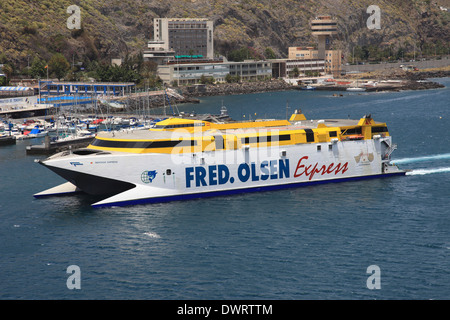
(84, 152)
(319, 148)
(262, 139)
(248, 140)
(333, 134)
(219, 142)
(168, 172)
(379, 129)
(353, 131)
(309, 135)
(330, 147)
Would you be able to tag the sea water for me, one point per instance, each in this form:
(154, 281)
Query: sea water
(316, 242)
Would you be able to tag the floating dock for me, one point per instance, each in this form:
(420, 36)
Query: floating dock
(7, 140)
(51, 147)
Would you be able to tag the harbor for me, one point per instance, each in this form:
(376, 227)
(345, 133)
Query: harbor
(70, 120)
(70, 131)
(228, 247)
(224, 151)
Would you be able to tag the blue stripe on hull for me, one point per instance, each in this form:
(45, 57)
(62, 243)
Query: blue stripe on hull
(239, 191)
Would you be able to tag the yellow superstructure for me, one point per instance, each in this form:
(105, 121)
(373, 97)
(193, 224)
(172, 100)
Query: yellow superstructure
(177, 135)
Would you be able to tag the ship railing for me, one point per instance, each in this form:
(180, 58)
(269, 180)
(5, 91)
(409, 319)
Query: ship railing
(389, 150)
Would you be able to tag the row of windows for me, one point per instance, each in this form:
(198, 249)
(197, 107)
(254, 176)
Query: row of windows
(314, 24)
(198, 38)
(321, 30)
(84, 88)
(219, 139)
(206, 67)
(187, 37)
(283, 137)
(352, 131)
(183, 125)
(330, 147)
(143, 144)
(186, 25)
(188, 32)
(180, 143)
(190, 45)
(245, 66)
(359, 131)
(379, 129)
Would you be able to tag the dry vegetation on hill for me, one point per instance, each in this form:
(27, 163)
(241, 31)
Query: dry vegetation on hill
(115, 28)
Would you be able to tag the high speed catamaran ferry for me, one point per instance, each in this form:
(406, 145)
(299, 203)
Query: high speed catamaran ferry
(182, 158)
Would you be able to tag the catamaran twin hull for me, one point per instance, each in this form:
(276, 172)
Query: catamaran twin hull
(247, 164)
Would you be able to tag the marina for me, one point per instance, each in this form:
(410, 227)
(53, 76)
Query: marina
(69, 121)
(7, 140)
(200, 152)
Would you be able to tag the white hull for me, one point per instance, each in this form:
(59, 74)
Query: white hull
(153, 177)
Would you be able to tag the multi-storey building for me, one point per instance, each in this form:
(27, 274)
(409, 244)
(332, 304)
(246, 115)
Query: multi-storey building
(332, 58)
(324, 27)
(177, 36)
(191, 73)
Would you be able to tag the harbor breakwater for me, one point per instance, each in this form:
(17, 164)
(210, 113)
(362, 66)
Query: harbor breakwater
(386, 79)
(222, 89)
(378, 86)
(193, 92)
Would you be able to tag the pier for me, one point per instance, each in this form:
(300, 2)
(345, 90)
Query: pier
(7, 140)
(27, 111)
(50, 147)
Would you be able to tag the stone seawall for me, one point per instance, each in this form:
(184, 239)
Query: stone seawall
(190, 94)
(234, 88)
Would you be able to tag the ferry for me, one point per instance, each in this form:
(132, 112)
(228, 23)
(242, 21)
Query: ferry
(184, 158)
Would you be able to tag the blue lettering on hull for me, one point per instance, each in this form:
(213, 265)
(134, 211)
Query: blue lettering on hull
(202, 176)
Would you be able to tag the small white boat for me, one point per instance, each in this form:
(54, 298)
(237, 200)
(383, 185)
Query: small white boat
(37, 132)
(356, 89)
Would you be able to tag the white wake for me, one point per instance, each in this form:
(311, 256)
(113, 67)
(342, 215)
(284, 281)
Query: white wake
(443, 156)
(427, 171)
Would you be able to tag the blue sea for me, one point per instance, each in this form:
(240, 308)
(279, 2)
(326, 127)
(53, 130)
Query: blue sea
(384, 239)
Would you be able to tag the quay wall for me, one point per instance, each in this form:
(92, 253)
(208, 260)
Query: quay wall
(235, 88)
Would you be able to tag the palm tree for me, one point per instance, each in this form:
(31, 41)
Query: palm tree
(59, 65)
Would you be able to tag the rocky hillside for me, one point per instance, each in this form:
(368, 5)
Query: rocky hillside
(114, 28)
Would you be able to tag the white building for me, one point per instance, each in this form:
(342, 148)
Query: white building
(190, 73)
